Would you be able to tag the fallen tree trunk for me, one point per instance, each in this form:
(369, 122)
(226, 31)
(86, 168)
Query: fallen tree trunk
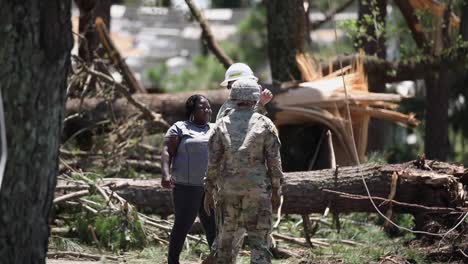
(170, 106)
(439, 190)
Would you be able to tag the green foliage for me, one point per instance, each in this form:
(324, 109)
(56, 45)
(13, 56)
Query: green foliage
(155, 254)
(157, 74)
(65, 244)
(252, 47)
(114, 231)
(371, 27)
(374, 243)
(206, 72)
(362, 228)
(349, 26)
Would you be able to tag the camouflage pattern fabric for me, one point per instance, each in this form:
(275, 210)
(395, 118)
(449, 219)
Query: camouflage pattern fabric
(229, 106)
(243, 214)
(240, 146)
(225, 110)
(245, 90)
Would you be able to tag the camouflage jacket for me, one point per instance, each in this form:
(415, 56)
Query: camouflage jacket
(243, 154)
(229, 106)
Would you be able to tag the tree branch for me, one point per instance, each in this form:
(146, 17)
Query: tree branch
(208, 36)
(413, 23)
(155, 117)
(117, 59)
(453, 58)
(330, 14)
(400, 204)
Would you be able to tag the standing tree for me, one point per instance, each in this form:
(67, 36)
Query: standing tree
(459, 89)
(89, 11)
(371, 22)
(287, 36)
(436, 141)
(438, 82)
(35, 55)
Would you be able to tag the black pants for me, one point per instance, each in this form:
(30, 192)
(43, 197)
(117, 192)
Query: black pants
(188, 203)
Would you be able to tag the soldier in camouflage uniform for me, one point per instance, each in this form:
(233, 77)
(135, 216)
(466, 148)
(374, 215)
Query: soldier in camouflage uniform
(236, 71)
(240, 146)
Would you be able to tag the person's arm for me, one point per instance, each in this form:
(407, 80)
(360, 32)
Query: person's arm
(215, 153)
(171, 143)
(265, 97)
(260, 108)
(273, 161)
(222, 109)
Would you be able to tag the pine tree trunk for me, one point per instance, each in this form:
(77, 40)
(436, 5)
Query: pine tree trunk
(436, 141)
(438, 86)
(287, 36)
(464, 21)
(304, 192)
(89, 11)
(35, 55)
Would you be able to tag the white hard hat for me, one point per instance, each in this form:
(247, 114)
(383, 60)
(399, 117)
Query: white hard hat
(238, 71)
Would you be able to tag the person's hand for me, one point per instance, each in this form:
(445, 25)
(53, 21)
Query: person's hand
(265, 96)
(275, 199)
(167, 182)
(208, 203)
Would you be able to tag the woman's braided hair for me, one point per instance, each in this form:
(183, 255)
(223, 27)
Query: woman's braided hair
(191, 104)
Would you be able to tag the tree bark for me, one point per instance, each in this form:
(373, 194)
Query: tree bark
(464, 21)
(373, 43)
(438, 85)
(88, 41)
(306, 192)
(436, 141)
(35, 55)
(171, 106)
(287, 36)
(89, 11)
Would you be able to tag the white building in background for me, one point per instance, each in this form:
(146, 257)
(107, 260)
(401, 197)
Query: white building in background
(149, 35)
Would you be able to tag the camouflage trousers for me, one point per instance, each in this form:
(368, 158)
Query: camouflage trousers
(240, 215)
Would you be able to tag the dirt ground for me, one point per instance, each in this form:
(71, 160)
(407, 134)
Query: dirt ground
(66, 261)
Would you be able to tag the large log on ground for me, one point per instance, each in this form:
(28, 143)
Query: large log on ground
(171, 106)
(430, 184)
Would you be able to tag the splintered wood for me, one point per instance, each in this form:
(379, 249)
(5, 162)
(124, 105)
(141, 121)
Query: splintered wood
(324, 100)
